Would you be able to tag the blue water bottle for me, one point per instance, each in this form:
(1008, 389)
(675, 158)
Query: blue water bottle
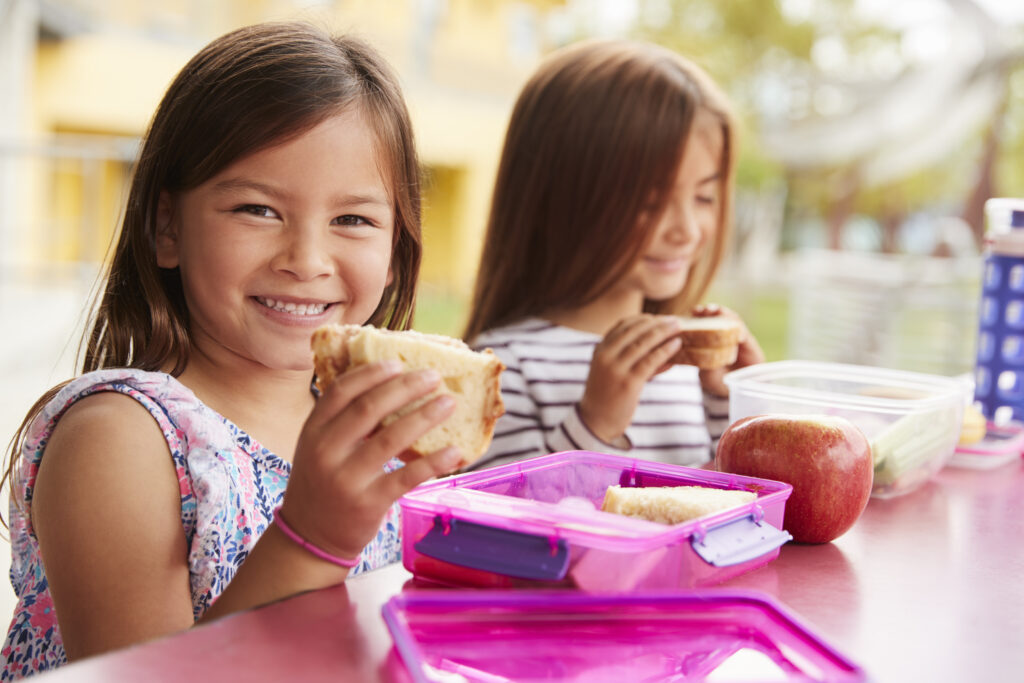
(999, 371)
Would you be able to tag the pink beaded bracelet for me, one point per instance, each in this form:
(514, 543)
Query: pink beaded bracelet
(309, 547)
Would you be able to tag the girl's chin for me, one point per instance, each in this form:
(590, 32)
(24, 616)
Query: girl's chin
(665, 291)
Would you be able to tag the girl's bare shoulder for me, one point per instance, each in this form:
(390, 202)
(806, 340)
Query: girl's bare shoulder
(103, 420)
(103, 445)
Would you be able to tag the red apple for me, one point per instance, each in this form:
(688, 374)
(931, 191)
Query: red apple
(825, 458)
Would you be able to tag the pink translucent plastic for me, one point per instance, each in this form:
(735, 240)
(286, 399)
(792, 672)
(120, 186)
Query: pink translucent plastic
(557, 496)
(498, 636)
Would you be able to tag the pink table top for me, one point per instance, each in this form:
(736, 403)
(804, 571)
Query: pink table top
(925, 587)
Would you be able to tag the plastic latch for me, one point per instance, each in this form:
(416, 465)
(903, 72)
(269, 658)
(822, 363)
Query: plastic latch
(738, 541)
(501, 551)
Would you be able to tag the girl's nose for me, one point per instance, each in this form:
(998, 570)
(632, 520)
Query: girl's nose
(302, 253)
(684, 222)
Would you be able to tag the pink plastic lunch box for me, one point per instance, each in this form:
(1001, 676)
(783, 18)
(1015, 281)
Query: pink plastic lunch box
(487, 636)
(537, 523)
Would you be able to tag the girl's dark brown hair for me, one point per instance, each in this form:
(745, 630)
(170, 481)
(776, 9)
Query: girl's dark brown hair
(597, 132)
(246, 90)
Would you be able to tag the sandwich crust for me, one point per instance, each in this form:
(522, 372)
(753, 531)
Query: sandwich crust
(708, 342)
(473, 378)
(672, 504)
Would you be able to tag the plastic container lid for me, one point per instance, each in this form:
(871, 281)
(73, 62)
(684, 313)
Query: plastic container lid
(496, 635)
(822, 385)
(1002, 444)
(1004, 218)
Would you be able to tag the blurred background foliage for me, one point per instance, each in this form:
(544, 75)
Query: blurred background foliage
(872, 133)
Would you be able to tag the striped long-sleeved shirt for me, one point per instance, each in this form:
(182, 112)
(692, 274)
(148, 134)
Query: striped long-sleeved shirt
(546, 371)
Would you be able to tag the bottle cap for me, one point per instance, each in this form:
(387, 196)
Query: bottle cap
(1004, 218)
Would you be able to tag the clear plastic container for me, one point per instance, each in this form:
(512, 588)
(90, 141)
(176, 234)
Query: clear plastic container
(913, 420)
(537, 523)
(490, 636)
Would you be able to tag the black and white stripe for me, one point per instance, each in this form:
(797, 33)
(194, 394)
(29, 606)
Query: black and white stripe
(546, 370)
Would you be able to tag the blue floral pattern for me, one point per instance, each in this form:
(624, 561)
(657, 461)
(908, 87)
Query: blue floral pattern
(229, 484)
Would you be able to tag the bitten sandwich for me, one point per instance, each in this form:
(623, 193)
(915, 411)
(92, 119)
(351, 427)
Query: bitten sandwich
(471, 377)
(672, 504)
(709, 342)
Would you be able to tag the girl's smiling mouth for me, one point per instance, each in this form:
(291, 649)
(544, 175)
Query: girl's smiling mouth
(667, 264)
(293, 308)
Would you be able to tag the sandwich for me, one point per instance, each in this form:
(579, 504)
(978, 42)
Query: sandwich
(473, 378)
(709, 342)
(672, 504)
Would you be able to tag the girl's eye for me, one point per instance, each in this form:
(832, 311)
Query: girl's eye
(708, 200)
(350, 219)
(256, 210)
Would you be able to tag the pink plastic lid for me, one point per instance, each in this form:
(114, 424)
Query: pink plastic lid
(1002, 444)
(493, 636)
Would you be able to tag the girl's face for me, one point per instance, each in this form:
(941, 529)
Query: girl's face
(286, 239)
(690, 218)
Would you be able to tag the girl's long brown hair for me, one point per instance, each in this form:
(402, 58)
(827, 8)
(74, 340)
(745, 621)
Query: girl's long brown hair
(597, 131)
(250, 88)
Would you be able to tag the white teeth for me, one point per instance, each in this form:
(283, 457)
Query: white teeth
(296, 309)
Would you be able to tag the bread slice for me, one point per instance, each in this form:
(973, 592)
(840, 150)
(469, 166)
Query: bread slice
(707, 358)
(672, 504)
(709, 342)
(473, 378)
(974, 428)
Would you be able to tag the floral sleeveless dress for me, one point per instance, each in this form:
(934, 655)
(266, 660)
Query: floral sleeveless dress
(229, 484)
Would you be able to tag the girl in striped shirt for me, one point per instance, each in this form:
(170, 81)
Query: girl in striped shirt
(610, 216)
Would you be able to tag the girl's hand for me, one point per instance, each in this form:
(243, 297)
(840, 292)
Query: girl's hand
(338, 492)
(636, 349)
(750, 352)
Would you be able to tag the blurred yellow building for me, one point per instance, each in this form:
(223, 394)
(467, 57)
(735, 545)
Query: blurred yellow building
(80, 79)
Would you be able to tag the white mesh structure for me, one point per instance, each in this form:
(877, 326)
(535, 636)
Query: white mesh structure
(895, 311)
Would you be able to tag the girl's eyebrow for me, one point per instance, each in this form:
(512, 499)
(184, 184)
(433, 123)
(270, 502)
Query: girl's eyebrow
(717, 175)
(234, 184)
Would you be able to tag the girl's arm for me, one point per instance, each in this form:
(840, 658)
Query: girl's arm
(107, 512)
(634, 350)
(521, 432)
(338, 492)
(107, 509)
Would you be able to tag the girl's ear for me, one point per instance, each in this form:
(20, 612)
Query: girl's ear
(166, 232)
(391, 276)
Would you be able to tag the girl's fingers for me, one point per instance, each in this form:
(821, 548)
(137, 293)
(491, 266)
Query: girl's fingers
(659, 359)
(713, 383)
(365, 462)
(649, 338)
(403, 480)
(343, 390)
(623, 332)
(750, 352)
(360, 418)
(665, 355)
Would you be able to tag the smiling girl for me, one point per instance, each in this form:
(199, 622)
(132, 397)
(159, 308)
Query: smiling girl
(190, 472)
(610, 215)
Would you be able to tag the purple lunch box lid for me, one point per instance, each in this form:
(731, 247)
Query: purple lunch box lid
(503, 635)
(458, 496)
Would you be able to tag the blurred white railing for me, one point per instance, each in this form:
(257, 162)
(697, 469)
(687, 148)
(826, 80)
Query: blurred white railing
(908, 312)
